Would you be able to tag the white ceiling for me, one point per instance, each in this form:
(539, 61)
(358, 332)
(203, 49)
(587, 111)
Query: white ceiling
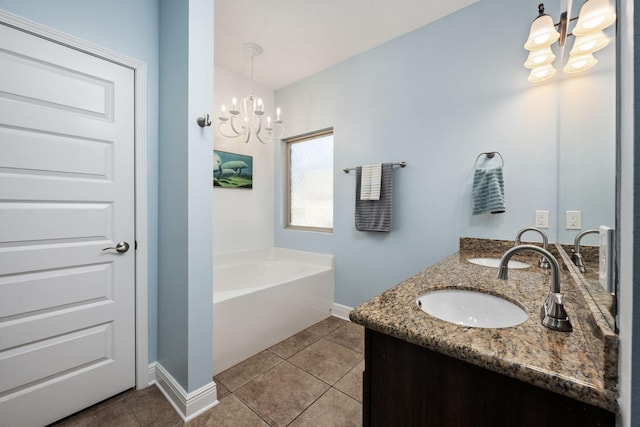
(302, 37)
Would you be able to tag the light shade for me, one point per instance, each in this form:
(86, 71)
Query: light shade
(589, 43)
(594, 16)
(540, 57)
(541, 73)
(542, 33)
(579, 63)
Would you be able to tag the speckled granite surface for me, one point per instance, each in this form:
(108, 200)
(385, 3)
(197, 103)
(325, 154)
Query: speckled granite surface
(579, 364)
(590, 279)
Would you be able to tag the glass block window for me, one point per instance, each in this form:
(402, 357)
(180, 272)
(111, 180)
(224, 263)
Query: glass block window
(310, 182)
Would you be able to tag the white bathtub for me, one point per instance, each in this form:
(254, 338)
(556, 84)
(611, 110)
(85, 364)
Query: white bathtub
(262, 297)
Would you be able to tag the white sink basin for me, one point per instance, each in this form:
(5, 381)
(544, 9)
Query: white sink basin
(495, 262)
(470, 308)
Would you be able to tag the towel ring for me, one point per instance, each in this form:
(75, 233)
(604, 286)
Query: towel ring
(490, 155)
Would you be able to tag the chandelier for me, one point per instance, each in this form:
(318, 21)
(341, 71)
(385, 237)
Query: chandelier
(594, 16)
(246, 118)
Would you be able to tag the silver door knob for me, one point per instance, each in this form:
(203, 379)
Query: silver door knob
(120, 247)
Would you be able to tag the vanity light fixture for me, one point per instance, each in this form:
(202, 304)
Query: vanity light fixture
(245, 119)
(594, 16)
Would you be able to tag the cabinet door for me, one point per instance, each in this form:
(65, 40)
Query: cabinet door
(407, 385)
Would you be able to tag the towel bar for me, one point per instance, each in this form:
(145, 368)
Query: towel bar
(490, 155)
(401, 164)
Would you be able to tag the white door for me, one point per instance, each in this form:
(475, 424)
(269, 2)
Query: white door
(66, 192)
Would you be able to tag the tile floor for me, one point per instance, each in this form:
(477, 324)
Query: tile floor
(313, 378)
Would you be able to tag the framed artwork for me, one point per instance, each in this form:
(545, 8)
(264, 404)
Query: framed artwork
(231, 170)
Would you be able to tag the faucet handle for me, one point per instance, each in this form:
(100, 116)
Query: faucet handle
(553, 315)
(543, 263)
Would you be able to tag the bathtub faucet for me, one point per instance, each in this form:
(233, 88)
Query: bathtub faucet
(543, 263)
(552, 314)
(576, 256)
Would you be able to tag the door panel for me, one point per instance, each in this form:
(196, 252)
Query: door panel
(66, 193)
(54, 288)
(31, 221)
(36, 152)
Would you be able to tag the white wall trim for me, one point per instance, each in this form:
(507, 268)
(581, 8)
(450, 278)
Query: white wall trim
(187, 405)
(151, 373)
(140, 124)
(626, 212)
(341, 311)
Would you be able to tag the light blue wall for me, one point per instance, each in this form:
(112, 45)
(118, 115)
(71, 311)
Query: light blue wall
(130, 28)
(587, 149)
(436, 98)
(200, 167)
(173, 190)
(185, 292)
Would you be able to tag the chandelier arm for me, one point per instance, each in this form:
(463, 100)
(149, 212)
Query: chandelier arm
(248, 134)
(258, 129)
(260, 139)
(223, 133)
(233, 127)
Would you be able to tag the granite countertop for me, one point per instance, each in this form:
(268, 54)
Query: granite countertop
(581, 364)
(590, 279)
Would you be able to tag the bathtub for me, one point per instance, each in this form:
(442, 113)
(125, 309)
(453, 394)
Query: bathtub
(261, 297)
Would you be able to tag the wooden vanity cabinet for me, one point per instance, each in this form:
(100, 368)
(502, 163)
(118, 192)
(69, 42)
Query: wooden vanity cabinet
(407, 385)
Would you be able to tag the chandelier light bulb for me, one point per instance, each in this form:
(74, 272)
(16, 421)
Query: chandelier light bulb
(223, 115)
(589, 43)
(595, 15)
(542, 33)
(539, 57)
(579, 63)
(541, 73)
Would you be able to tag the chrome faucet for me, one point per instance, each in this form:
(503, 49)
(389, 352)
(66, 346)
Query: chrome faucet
(553, 314)
(576, 256)
(543, 263)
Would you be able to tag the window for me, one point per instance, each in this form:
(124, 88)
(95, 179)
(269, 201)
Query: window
(310, 181)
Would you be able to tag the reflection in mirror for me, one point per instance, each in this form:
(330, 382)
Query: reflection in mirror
(587, 161)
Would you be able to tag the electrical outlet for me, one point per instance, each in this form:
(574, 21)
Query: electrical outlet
(574, 220)
(542, 219)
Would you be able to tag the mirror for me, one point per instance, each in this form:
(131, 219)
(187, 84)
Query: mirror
(587, 161)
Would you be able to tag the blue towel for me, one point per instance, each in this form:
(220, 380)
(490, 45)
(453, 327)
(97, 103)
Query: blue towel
(375, 215)
(488, 191)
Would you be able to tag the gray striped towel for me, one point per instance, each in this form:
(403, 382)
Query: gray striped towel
(488, 191)
(375, 215)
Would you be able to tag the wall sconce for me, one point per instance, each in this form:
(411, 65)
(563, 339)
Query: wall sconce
(594, 16)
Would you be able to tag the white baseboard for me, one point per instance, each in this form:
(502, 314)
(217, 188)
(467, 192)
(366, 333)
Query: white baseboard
(341, 311)
(151, 374)
(187, 405)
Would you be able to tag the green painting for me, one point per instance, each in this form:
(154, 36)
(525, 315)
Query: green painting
(231, 170)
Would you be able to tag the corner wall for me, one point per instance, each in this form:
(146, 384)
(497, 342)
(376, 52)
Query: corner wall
(185, 271)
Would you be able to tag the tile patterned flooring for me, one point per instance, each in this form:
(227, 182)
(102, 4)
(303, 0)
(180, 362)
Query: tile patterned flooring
(313, 378)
